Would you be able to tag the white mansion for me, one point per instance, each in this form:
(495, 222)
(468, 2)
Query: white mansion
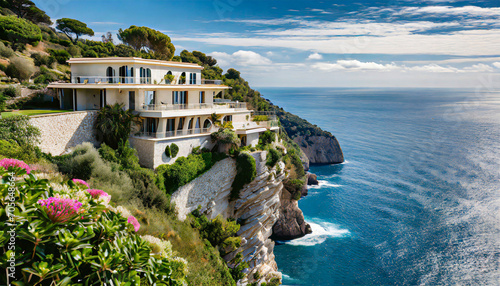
(173, 109)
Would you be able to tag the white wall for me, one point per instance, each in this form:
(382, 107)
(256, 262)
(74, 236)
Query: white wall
(88, 99)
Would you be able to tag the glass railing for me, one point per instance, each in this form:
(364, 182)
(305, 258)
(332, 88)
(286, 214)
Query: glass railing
(170, 134)
(108, 79)
(160, 107)
(211, 81)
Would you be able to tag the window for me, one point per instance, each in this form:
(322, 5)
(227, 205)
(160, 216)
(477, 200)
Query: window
(180, 126)
(131, 100)
(149, 97)
(197, 126)
(182, 79)
(207, 123)
(110, 74)
(150, 125)
(202, 97)
(170, 124)
(145, 75)
(192, 78)
(168, 81)
(179, 97)
(190, 125)
(124, 74)
(228, 118)
(103, 98)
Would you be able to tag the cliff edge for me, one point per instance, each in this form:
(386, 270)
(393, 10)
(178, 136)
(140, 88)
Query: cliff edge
(320, 149)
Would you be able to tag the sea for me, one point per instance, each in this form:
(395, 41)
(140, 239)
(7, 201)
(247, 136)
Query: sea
(417, 200)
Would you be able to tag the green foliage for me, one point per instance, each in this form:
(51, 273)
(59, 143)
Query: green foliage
(246, 171)
(95, 247)
(61, 56)
(26, 9)
(184, 170)
(144, 37)
(20, 68)
(273, 156)
(292, 158)
(239, 266)
(168, 153)
(259, 118)
(225, 136)
(42, 60)
(3, 101)
(5, 52)
(114, 124)
(19, 129)
(267, 137)
(19, 31)
(174, 149)
(11, 91)
(45, 76)
(232, 74)
(295, 187)
(71, 26)
(169, 78)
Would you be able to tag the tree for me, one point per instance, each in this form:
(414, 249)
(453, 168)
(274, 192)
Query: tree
(108, 38)
(114, 123)
(20, 68)
(148, 39)
(215, 118)
(26, 9)
(71, 26)
(16, 30)
(232, 74)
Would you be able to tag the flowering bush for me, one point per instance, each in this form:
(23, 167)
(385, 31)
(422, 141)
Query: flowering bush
(59, 234)
(60, 210)
(14, 163)
(80, 182)
(97, 193)
(133, 221)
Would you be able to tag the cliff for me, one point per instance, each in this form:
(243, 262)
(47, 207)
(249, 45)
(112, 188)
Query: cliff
(257, 209)
(320, 149)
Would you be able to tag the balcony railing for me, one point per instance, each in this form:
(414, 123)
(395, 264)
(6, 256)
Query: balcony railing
(108, 79)
(211, 81)
(160, 107)
(170, 134)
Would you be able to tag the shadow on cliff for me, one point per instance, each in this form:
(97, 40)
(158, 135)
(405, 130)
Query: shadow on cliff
(85, 132)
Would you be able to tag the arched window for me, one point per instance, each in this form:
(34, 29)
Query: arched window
(207, 123)
(197, 125)
(182, 79)
(110, 74)
(123, 73)
(148, 76)
(168, 81)
(190, 125)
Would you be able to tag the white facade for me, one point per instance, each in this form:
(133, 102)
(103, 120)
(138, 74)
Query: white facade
(171, 111)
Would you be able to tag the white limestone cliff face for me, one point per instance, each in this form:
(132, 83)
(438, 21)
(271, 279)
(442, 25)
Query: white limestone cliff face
(257, 208)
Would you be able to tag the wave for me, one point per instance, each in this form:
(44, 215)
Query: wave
(321, 231)
(323, 184)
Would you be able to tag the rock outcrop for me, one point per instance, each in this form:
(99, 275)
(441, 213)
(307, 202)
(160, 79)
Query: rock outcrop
(312, 179)
(320, 149)
(291, 223)
(257, 209)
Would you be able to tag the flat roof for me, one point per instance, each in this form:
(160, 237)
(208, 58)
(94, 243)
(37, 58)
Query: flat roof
(119, 60)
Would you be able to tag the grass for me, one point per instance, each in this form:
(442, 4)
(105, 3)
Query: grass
(30, 112)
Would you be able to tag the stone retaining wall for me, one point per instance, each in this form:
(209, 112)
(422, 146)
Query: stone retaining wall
(62, 131)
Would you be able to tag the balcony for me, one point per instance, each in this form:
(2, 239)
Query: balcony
(168, 107)
(173, 134)
(130, 80)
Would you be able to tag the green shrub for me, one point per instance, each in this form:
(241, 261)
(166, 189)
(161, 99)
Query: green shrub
(95, 247)
(267, 137)
(225, 136)
(174, 149)
(11, 91)
(19, 129)
(246, 171)
(168, 153)
(61, 56)
(90, 54)
(273, 156)
(184, 170)
(20, 69)
(114, 123)
(258, 118)
(42, 60)
(19, 31)
(295, 186)
(5, 52)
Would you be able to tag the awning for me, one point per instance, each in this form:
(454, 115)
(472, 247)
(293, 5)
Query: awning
(250, 131)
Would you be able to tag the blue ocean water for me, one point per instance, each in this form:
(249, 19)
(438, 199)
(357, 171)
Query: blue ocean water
(417, 201)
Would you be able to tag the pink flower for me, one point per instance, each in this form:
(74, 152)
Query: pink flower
(81, 182)
(60, 210)
(97, 193)
(6, 163)
(132, 220)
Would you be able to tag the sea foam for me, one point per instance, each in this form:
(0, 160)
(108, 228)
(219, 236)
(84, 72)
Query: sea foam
(321, 231)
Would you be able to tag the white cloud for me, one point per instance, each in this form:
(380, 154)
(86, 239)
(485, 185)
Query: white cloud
(433, 68)
(241, 58)
(321, 11)
(496, 64)
(315, 56)
(354, 65)
(449, 10)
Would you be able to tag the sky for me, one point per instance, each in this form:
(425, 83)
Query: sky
(290, 43)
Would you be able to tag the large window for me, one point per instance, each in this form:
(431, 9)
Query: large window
(149, 98)
(125, 74)
(150, 125)
(179, 97)
(170, 124)
(182, 79)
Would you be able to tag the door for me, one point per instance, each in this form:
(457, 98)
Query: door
(131, 100)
